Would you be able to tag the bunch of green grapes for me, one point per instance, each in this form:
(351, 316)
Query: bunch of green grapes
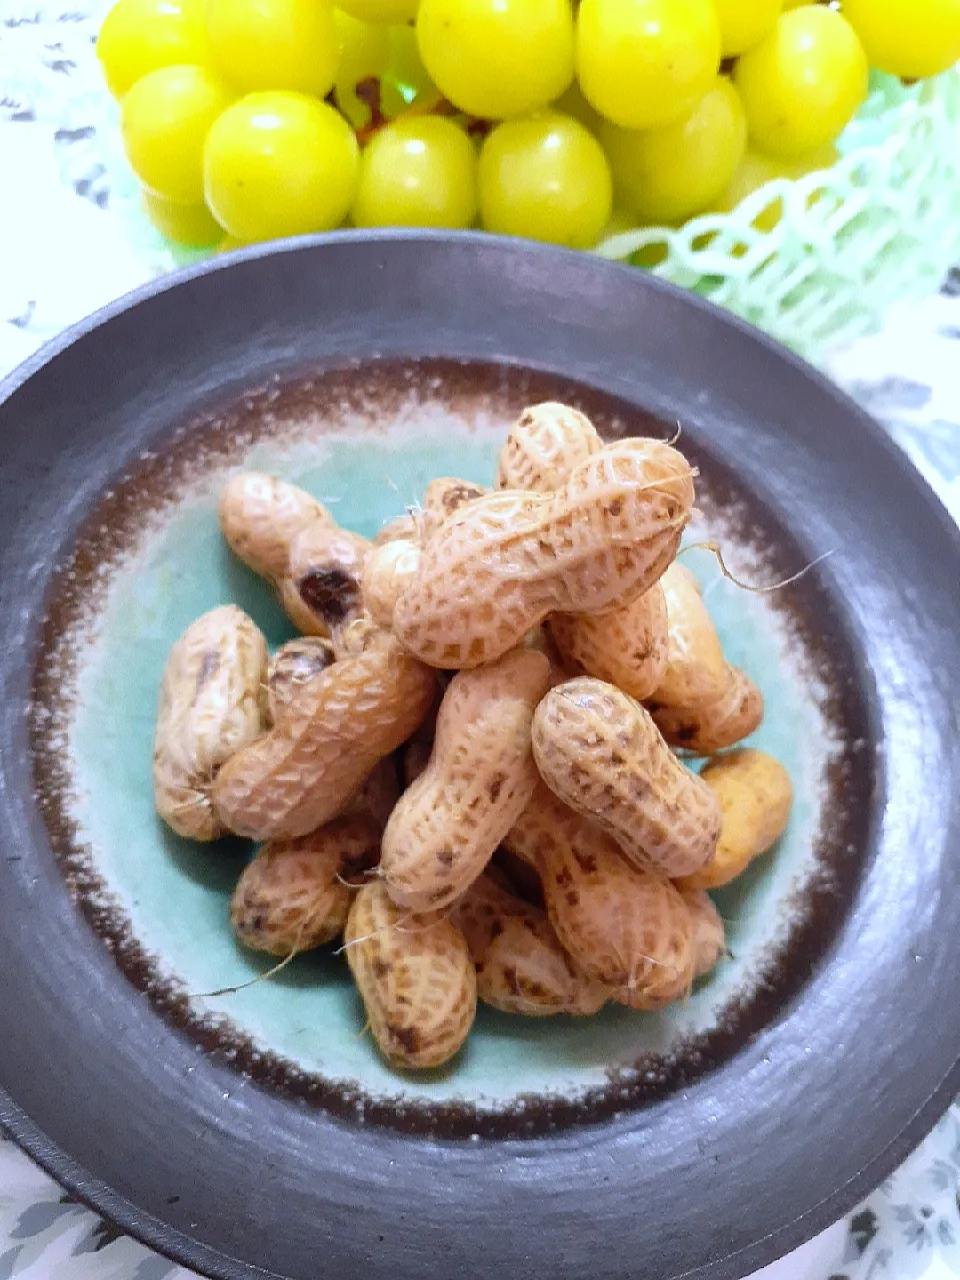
(248, 120)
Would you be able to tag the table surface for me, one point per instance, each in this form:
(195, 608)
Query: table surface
(72, 239)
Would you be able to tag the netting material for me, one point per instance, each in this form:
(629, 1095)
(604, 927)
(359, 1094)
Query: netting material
(881, 225)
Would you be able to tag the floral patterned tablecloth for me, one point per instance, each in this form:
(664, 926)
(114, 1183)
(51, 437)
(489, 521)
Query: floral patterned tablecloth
(72, 239)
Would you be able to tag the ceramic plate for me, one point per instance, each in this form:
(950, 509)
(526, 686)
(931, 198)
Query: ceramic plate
(257, 1131)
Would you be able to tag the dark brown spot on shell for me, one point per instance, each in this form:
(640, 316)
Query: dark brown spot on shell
(510, 978)
(408, 1038)
(585, 861)
(536, 991)
(329, 593)
(380, 968)
(459, 494)
(445, 857)
(495, 786)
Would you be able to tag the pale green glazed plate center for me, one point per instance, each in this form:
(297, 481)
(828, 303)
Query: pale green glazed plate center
(175, 894)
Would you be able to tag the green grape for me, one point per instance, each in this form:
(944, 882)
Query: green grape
(364, 50)
(420, 172)
(275, 44)
(671, 173)
(279, 164)
(381, 11)
(192, 225)
(139, 36)
(643, 63)
(908, 38)
(801, 86)
(545, 178)
(497, 58)
(164, 120)
(744, 23)
(405, 79)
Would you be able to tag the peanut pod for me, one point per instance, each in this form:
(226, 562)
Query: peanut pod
(626, 647)
(211, 706)
(543, 447)
(306, 770)
(295, 894)
(623, 926)
(521, 966)
(261, 515)
(713, 726)
(754, 794)
(415, 977)
(500, 565)
(601, 753)
(480, 776)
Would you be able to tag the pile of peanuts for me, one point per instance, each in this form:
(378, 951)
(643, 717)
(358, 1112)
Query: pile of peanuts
(533, 665)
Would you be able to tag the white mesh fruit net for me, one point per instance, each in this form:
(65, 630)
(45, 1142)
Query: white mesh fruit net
(882, 224)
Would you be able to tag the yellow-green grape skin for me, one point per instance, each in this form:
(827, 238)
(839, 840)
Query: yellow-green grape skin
(364, 49)
(497, 58)
(164, 120)
(545, 178)
(643, 63)
(802, 84)
(755, 171)
(420, 172)
(405, 78)
(279, 164)
(140, 36)
(621, 221)
(667, 175)
(744, 23)
(573, 103)
(275, 44)
(913, 39)
(191, 225)
(381, 11)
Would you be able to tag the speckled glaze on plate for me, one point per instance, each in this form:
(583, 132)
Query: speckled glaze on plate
(362, 369)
